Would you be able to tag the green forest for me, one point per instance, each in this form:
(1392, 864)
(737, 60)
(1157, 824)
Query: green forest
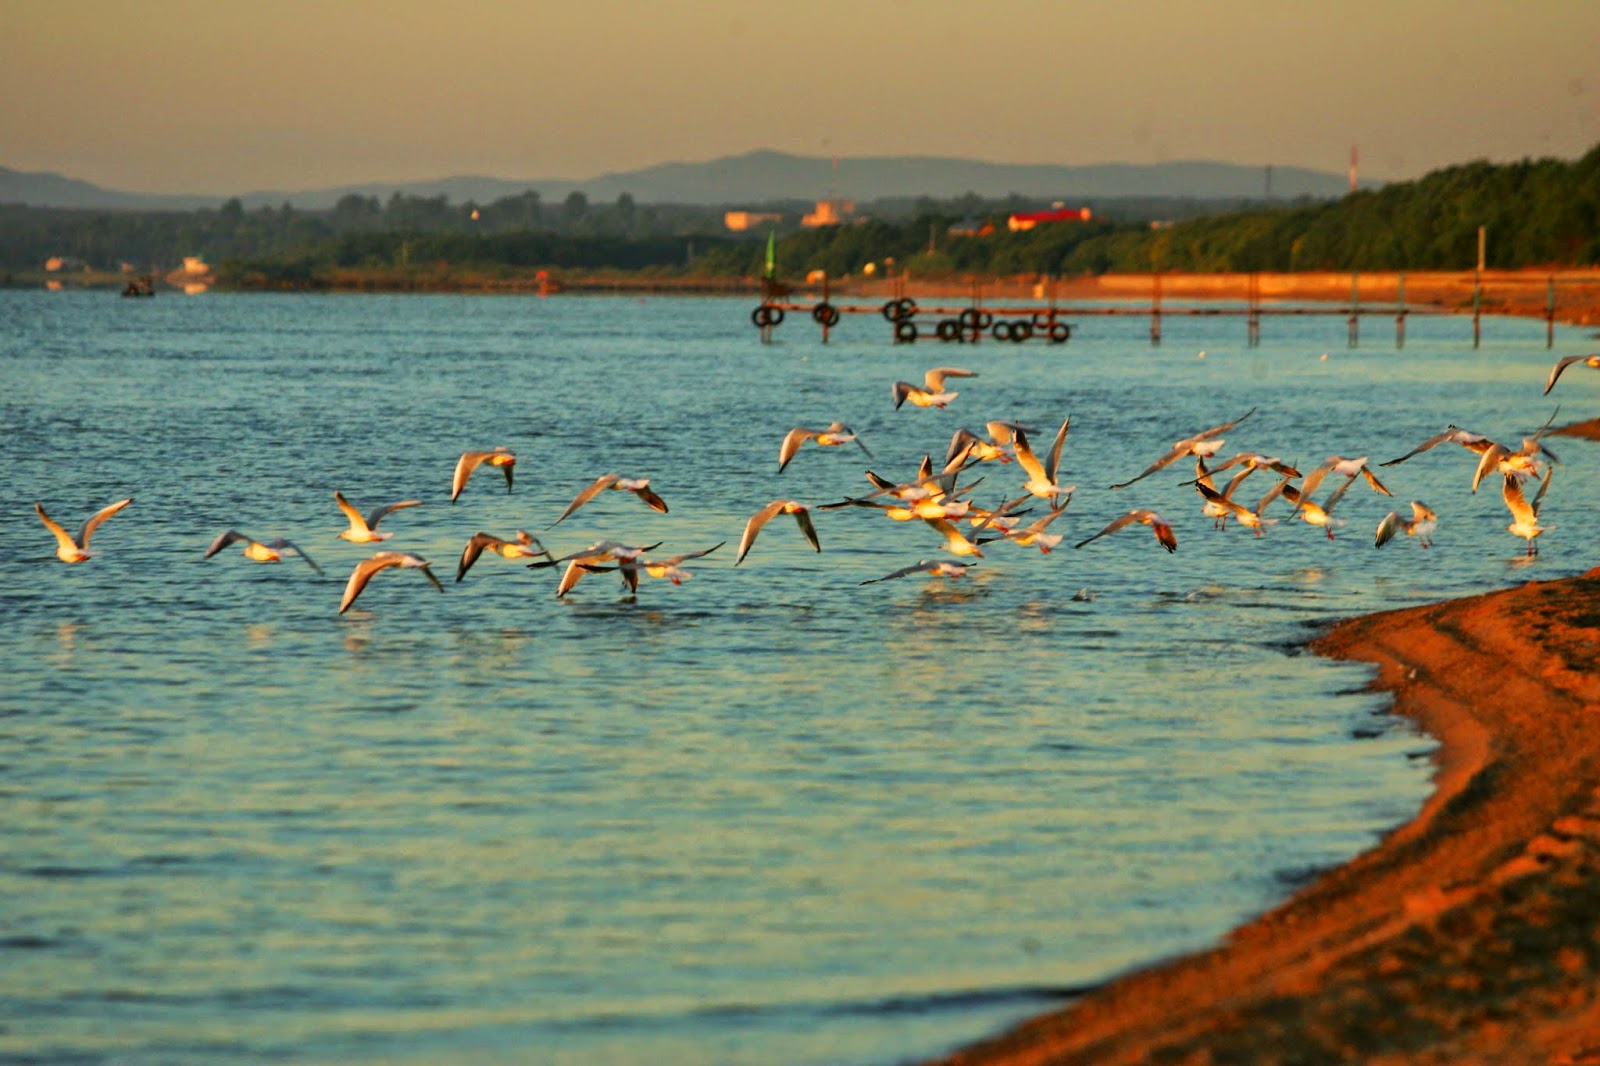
(1542, 213)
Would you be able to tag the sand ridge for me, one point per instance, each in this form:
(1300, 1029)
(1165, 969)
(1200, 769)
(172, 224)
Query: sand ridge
(1471, 934)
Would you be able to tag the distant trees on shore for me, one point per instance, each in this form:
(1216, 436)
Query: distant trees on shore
(1537, 213)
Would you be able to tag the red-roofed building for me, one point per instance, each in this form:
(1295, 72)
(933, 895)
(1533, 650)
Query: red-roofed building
(1030, 219)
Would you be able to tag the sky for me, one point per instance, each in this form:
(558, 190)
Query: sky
(225, 97)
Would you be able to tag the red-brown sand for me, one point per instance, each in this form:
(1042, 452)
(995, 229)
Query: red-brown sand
(1470, 935)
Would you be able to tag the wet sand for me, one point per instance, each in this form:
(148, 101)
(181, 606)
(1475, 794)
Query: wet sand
(1471, 934)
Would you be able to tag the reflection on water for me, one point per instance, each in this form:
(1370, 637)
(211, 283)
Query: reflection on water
(768, 815)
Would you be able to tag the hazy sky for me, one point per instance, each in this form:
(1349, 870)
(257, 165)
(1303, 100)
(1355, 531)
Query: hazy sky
(226, 97)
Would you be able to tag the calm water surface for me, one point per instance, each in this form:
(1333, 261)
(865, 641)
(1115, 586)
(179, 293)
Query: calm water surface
(769, 815)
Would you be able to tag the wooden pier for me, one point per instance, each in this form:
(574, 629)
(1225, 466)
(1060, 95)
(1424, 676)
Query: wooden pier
(1053, 321)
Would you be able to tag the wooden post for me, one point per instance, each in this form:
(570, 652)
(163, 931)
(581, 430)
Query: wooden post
(826, 303)
(1355, 310)
(1253, 327)
(1477, 300)
(1400, 312)
(1550, 313)
(1155, 310)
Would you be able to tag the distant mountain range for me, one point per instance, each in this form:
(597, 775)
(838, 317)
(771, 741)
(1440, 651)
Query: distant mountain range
(757, 178)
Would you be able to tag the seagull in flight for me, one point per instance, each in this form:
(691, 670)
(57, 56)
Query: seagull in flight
(640, 487)
(500, 457)
(1206, 443)
(1157, 524)
(382, 561)
(836, 434)
(70, 549)
(364, 530)
(270, 551)
(933, 394)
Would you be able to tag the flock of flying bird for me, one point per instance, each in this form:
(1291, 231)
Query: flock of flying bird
(934, 497)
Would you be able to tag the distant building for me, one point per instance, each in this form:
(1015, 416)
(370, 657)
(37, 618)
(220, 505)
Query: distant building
(57, 263)
(193, 264)
(971, 227)
(1028, 219)
(830, 213)
(739, 221)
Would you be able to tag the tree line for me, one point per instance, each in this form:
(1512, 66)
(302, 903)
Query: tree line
(1543, 212)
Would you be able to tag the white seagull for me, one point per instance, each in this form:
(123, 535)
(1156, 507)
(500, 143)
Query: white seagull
(71, 549)
(1157, 524)
(836, 434)
(1205, 443)
(1592, 361)
(382, 561)
(640, 487)
(364, 530)
(933, 395)
(1525, 515)
(1421, 525)
(931, 567)
(526, 546)
(270, 551)
(470, 461)
(802, 517)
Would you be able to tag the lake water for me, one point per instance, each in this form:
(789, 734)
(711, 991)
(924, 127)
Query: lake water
(768, 815)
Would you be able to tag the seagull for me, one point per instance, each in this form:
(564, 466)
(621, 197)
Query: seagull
(1592, 361)
(640, 487)
(526, 546)
(1222, 506)
(1420, 525)
(382, 561)
(1034, 535)
(1306, 509)
(1337, 464)
(1525, 515)
(600, 551)
(76, 550)
(965, 444)
(670, 569)
(801, 514)
(1161, 528)
(1491, 456)
(836, 434)
(1042, 476)
(365, 530)
(1204, 443)
(931, 567)
(470, 461)
(933, 395)
(270, 551)
(1257, 462)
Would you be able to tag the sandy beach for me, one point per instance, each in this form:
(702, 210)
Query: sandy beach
(1471, 934)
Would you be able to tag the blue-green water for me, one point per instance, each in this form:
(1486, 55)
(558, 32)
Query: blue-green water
(769, 815)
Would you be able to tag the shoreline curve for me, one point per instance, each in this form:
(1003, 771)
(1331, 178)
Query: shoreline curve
(1469, 934)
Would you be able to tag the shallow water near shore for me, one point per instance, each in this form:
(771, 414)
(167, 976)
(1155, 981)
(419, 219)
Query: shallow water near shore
(767, 815)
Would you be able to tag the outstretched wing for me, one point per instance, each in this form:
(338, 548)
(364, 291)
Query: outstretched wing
(464, 468)
(363, 574)
(470, 553)
(1055, 450)
(1120, 523)
(601, 483)
(225, 539)
(1555, 371)
(920, 567)
(63, 538)
(100, 516)
(283, 542)
(377, 516)
(1165, 461)
(934, 378)
(656, 503)
(791, 444)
